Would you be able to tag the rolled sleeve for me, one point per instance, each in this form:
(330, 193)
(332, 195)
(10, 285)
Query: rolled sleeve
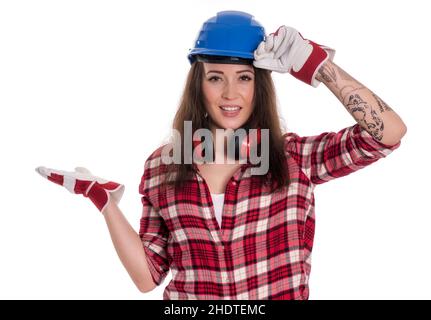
(336, 154)
(154, 236)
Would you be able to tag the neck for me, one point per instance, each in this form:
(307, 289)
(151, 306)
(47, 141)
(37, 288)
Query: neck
(220, 151)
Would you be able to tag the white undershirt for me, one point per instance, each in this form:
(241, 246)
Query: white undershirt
(218, 200)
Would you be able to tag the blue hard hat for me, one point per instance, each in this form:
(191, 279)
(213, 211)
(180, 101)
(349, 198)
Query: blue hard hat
(229, 37)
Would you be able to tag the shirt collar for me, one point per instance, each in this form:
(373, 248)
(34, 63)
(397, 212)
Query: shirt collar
(241, 169)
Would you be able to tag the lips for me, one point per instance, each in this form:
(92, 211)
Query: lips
(227, 107)
(230, 110)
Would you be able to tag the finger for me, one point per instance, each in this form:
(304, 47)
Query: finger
(260, 52)
(86, 175)
(83, 170)
(52, 175)
(280, 42)
(47, 171)
(289, 36)
(276, 32)
(266, 63)
(278, 38)
(262, 63)
(44, 172)
(56, 176)
(269, 42)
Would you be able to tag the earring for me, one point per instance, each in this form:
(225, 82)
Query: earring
(206, 115)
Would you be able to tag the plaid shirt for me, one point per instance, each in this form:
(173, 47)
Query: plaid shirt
(263, 248)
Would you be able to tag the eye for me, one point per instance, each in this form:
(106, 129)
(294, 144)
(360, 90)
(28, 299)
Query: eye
(246, 78)
(213, 79)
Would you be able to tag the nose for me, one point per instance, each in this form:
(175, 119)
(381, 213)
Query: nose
(230, 91)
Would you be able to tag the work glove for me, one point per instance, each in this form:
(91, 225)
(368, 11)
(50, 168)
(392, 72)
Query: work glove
(287, 51)
(81, 181)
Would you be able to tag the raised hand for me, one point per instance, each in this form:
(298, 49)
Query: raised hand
(82, 181)
(287, 51)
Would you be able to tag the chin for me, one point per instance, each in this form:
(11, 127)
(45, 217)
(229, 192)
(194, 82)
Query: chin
(232, 124)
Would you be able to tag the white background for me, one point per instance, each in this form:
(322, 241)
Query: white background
(97, 83)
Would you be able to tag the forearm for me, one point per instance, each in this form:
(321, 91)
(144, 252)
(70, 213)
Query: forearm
(129, 247)
(371, 112)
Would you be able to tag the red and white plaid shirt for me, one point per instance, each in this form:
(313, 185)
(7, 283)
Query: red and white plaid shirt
(263, 248)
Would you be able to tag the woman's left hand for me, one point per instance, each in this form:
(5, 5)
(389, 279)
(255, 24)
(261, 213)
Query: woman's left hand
(287, 51)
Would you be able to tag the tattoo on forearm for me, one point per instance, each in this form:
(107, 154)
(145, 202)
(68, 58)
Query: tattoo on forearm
(347, 91)
(368, 113)
(382, 105)
(331, 74)
(359, 110)
(328, 74)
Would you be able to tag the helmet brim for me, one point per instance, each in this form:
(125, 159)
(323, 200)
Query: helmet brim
(222, 59)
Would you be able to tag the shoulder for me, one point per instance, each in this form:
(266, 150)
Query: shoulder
(301, 148)
(294, 143)
(154, 169)
(155, 159)
(290, 137)
(290, 142)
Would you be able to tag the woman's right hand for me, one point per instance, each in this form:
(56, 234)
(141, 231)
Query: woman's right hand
(287, 51)
(82, 181)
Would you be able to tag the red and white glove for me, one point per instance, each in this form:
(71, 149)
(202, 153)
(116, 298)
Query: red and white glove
(81, 181)
(287, 51)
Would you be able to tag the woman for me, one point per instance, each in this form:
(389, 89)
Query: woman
(224, 232)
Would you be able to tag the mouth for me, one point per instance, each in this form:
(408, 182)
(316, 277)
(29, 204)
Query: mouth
(230, 110)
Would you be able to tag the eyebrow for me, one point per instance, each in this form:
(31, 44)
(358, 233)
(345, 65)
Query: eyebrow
(221, 72)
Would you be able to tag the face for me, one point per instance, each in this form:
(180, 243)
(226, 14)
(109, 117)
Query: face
(228, 91)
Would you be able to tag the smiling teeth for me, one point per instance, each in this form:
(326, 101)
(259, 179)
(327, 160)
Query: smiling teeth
(230, 108)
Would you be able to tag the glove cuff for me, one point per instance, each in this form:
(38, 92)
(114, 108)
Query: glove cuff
(317, 58)
(100, 194)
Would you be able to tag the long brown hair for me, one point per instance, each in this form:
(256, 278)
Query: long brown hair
(265, 115)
